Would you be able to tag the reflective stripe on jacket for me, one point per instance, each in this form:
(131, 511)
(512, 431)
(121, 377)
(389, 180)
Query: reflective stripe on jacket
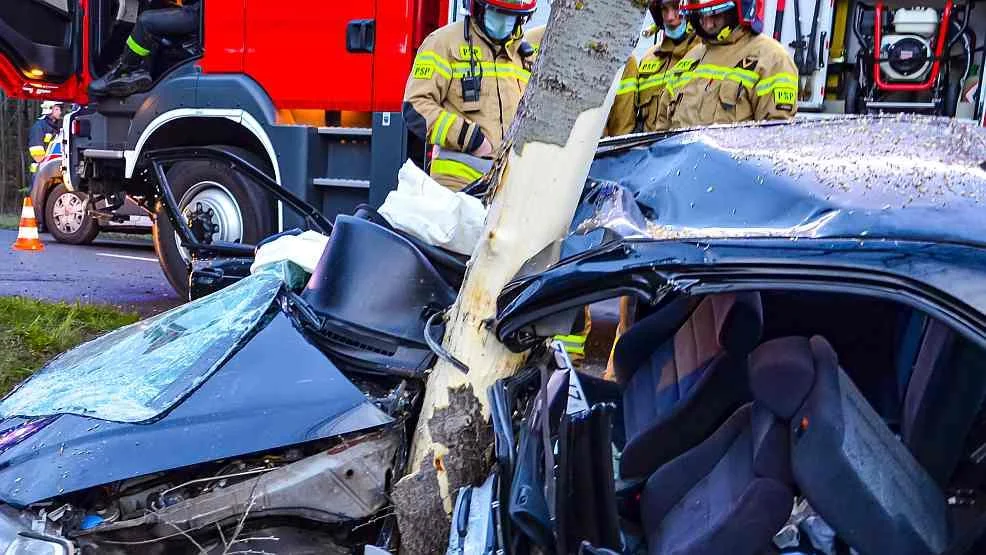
(41, 133)
(435, 106)
(741, 78)
(623, 115)
(652, 77)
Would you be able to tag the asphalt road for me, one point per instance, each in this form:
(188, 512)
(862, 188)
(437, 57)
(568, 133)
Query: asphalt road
(120, 273)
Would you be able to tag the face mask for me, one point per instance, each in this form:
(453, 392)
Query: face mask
(498, 25)
(675, 33)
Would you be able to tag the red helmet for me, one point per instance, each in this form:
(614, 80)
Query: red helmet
(750, 12)
(519, 7)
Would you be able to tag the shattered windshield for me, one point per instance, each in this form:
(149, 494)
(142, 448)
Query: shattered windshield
(139, 371)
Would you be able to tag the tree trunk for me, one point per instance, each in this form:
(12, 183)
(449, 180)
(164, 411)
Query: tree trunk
(538, 181)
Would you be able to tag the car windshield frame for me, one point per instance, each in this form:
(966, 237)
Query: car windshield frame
(945, 281)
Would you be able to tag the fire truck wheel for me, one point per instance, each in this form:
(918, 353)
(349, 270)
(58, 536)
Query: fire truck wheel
(219, 203)
(67, 218)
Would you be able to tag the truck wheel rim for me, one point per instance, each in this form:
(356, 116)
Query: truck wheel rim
(226, 215)
(69, 211)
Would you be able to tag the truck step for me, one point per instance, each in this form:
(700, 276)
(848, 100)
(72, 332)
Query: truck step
(345, 131)
(339, 182)
(103, 154)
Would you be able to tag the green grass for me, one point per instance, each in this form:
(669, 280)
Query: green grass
(32, 332)
(9, 221)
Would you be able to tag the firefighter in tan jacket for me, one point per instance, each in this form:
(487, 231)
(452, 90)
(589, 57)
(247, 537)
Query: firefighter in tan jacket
(678, 39)
(623, 115)
(736, 74)
(465, 85)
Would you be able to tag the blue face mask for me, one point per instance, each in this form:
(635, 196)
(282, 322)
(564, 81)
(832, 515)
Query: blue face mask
(675, 33)
(498, 25)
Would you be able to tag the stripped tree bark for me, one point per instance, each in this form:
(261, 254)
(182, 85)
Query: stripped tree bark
(538, 181)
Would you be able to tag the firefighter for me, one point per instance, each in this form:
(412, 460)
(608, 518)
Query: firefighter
(736, 74)
(678, 38)
(623, 115)
(465, 85)
(131, 74)
(43, 131)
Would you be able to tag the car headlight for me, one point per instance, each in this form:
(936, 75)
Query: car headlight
(24, 545)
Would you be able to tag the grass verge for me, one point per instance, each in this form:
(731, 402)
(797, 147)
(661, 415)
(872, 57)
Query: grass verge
(32, 332)
(9, 221)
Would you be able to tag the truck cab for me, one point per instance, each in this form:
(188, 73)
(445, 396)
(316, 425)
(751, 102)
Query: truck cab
(310, 91)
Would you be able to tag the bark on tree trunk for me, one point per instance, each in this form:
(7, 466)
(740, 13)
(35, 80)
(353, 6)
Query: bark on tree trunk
(539, 179)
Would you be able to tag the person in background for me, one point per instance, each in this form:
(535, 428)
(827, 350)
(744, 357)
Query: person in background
(737, 73)
(132, 74)
(42, 132)
(465, 85)
(676, 40)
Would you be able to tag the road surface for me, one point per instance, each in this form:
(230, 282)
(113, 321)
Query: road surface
(120, 273)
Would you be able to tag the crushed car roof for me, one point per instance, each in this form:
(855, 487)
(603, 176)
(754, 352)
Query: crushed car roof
(900, 177)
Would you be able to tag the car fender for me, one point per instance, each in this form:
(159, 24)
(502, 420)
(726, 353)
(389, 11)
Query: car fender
(48, 175)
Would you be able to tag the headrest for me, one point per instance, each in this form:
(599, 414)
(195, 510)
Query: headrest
(738, 319)
(734, 320)
(782, 373)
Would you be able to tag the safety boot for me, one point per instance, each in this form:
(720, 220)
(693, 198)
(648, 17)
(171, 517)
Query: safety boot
(130, 75)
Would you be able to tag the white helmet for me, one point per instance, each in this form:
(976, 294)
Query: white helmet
(47, 106)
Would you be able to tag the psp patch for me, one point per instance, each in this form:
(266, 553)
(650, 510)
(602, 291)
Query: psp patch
(785, 97)
(650, 66)
(477, 53)
(423, 71)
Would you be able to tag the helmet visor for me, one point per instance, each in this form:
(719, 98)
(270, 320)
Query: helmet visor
(709, 7)
(518, 7)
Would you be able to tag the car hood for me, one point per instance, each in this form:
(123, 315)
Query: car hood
(275, 390)
(901, 177)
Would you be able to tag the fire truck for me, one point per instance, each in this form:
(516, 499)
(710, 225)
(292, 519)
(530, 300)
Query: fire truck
(309, 91)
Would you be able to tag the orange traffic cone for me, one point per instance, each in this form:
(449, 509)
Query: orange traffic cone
(27, 232)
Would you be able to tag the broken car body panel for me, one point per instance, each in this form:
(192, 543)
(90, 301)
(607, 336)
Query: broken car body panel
(902, 177)
(276, 390)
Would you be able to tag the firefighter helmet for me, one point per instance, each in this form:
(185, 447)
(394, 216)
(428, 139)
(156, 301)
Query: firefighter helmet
(47, 106)
(517, 7)
(749, 12)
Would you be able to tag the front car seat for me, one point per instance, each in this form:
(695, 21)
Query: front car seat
(683, 372)
(854, 472)
(732, 493)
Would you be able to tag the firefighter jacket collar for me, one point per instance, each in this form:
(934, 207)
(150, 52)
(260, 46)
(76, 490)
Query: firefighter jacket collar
(737, 34)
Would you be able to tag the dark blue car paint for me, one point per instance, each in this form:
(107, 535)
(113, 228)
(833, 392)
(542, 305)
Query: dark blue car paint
(901, 177)
(278, 390)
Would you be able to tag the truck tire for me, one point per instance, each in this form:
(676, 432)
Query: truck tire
(241, 211)
(67, 218)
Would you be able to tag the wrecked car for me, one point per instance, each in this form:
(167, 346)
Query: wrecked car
(804, 369)
(802, 372)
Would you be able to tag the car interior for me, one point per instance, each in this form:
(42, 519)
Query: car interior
(770, 422)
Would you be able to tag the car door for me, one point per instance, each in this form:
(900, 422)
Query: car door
(41, 50)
